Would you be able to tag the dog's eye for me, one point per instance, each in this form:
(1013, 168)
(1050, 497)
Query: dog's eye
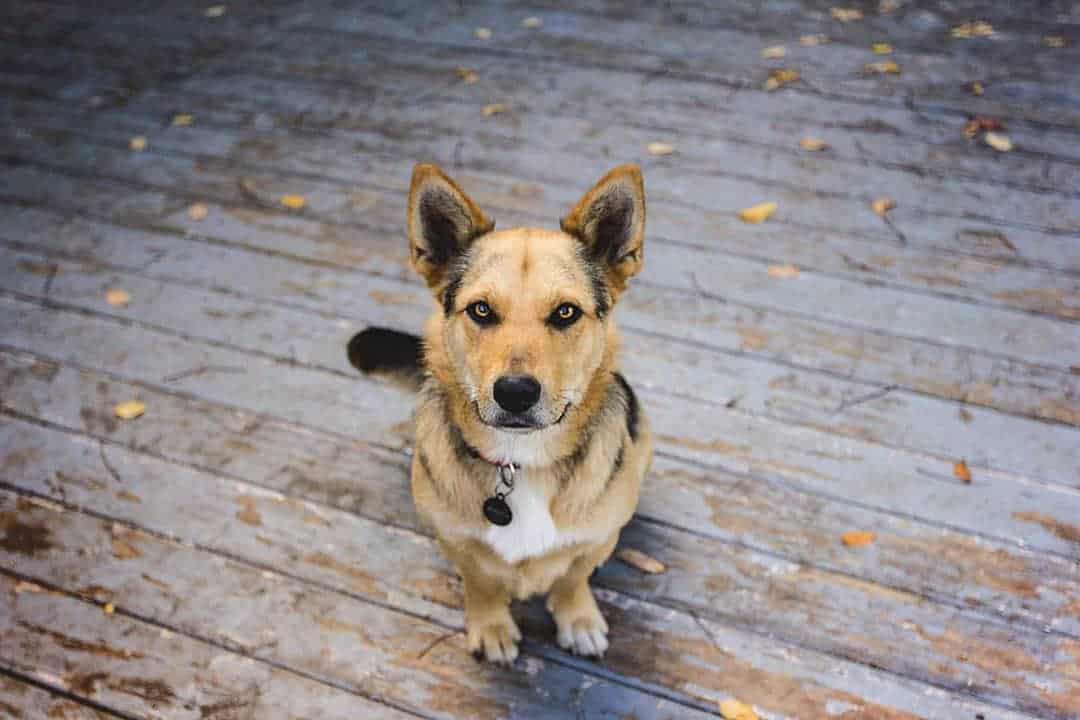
(565, 315)
(481, 313)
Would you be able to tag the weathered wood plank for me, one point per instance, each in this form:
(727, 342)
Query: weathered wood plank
(415, 567)
(141, 671)
(20, 699)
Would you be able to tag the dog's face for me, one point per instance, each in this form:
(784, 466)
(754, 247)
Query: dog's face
(525, 312)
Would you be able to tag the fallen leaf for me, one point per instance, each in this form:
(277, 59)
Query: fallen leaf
(198, 211)
(129, 410)
(961, 472)
(293, 202)
(812, 144)
(532, 23)
(25, 586)
(886, 67)
(732, 709)
(137, 143)
(493, 109)
(858, 538)
(780, 78)
(469, 77)
(773, 51)
(976, 88)
(757, 214)
(1054, 41)
(117, 297)
(846, 14)
(183, 119)
(214, 11)
(641, 561)
(482, 33)
(881, 48)
(108, 608)
(882, 205)
(999, 142)
(123, 550)
(813, 40)
(979, 124)
(978, 28)
(660, 148)
(783, 272)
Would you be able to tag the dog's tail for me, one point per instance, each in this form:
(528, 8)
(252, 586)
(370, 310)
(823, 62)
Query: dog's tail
(394, 355)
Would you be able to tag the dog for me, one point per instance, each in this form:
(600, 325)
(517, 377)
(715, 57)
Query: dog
(530, 446)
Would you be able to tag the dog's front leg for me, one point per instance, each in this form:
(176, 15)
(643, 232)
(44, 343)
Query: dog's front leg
(581, 627)
(492, 632)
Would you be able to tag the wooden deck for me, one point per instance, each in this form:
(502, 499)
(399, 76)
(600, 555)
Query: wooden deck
(248, 549)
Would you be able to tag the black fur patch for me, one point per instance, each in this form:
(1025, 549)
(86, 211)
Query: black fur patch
(611, 219)
(632, 408)
(597, 283)
(377, 349)
(444, 225)
(453, 284)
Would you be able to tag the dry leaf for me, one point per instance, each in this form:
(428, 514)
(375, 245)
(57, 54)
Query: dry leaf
(137, 143)
(214, 11)
(660, 148)
(881, 48)
(117, 297)
(813, 40)
(757, 214)
(812, 144)
(469, 77)
(732, 709)
(293, 202)
(108, 608)
(1054, 41)
(886, 67)
(979, 123)
(783, 272)
(641, 561)
(123, 550)
(198, 211)
(773, 51)
(183, 119)
(532, 23)
(977, 28)
(780, 78)
(25, 586)
(882, 205)
(129, 410)
(961, 472)
(999, 142)
(845, 14)
(493, 109)
(976, 88)
(858, 538)
(482, 33)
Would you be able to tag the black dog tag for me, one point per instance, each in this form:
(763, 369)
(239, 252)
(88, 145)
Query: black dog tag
(497, 511)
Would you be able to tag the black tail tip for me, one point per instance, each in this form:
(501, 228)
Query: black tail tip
(377, 349)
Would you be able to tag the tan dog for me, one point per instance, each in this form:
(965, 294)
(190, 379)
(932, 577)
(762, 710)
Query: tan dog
(530, 447)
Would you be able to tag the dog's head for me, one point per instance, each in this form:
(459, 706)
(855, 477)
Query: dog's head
(524, 323)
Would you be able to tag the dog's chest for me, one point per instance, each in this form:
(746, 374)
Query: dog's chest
(532, 531)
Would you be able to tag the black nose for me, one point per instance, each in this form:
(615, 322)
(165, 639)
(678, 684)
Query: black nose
(517, 393)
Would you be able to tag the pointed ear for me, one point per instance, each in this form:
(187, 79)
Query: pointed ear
(610, 222)
(442, 223)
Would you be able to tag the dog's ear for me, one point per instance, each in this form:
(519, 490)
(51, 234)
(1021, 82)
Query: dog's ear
(610, 222)
(442, 223)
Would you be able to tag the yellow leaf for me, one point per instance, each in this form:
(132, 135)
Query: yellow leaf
(961, 472)
(732, 709)
(976, 88)
(882, 205)
(757, 214)
(198, 211)
(999, 142)
(531, 23)
(293, 202)
(858, 538)
(813, 40)
(641, 561)
(469, 77)
(783, 272)
(214, 11)
(977, 28)
(845, 14)
(482, 33)
(137, 143)
(812, 144)
(773, 51)
(108, 608)
(780, 78)
(129, 410)
(1054, 41)
(493, 109)
(660, 148)
(117, 297)
(183, 119)
(881, 48)
(886, 67)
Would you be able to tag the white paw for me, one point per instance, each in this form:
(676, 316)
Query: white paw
(584, 636)
(496, 641)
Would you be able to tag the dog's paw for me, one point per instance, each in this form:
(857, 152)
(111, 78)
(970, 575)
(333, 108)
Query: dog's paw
(582, 631)
(496, 640)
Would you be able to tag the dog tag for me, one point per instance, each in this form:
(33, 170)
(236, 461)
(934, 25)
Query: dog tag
(497, 511)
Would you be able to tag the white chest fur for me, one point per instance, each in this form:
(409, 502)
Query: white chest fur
(532, 530)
